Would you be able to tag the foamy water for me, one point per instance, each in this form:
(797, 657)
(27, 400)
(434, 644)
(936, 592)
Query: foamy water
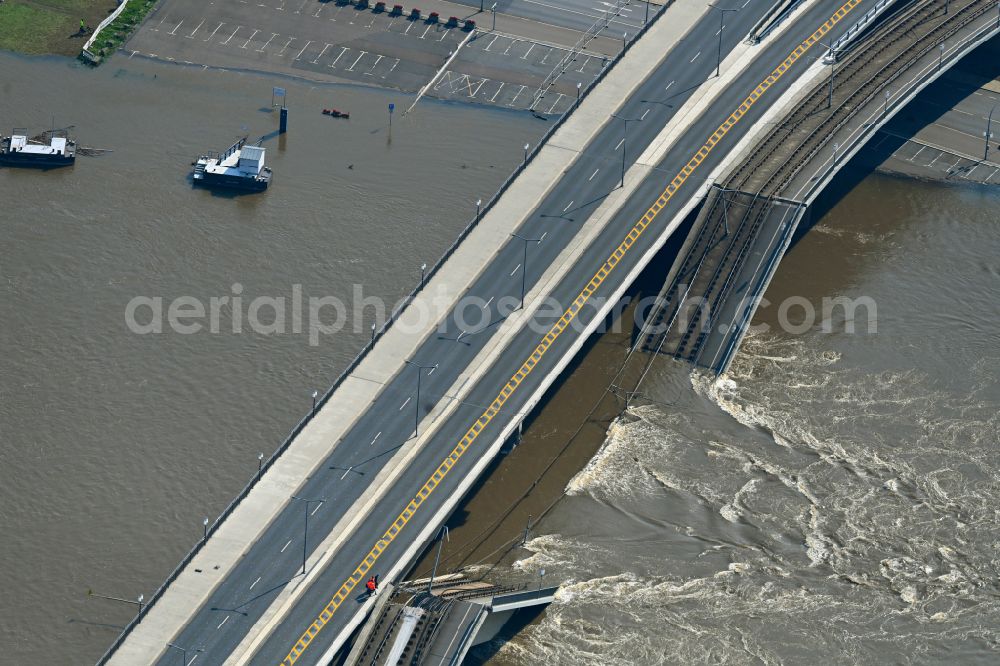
(833, 498)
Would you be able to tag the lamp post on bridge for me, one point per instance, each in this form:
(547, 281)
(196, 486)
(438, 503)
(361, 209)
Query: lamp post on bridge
(524, 263)
(305, 531)
(722, 26)
(184, 652)
(624, 137)
(988, 134)
(416, 407)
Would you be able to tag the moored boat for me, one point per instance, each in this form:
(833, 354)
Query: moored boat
(240, 167)
(19, 150)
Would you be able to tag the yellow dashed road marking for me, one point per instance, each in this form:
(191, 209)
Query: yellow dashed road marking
(557, 329)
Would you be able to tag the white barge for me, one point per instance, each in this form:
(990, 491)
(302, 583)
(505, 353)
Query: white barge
(241, 167)
(18, 150)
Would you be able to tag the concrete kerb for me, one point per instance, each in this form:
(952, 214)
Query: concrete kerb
(299, 428)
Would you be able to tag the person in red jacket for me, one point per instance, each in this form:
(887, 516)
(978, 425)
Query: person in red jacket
(372, 586)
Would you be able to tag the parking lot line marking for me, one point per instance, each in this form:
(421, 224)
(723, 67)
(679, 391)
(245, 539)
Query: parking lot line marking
(157, 28)
(345, 50)
(391, 68)
(407, 31)
(351, 68)
(377, 60)
(285, 47)
(990, 177)
(517, 95)
(966, 176)
(286, 545)
(174, 31)
(255, 582)
(304, 3)
(917, 153)
(232, 35)
(592, 175)
(321, 53)
(936, 157)
(404, 404)
(696, 56)
(488, 302)
(209, 38)
(191, 36)
(495, 38)
(321, 501)
(510, 45)
(567, 206)
(553, 107)
(493, 99)
(585, 63)
(542, 237)
(316, 15)
(303, 49)
(515, 270)
(444, 34)
(261, 49)
(644, 114)
(670, 84)
(525, 56)
(720, 29)
(619, 144)
(222, 623)
(376, 437)
(251, 37)
(473, 94)
(426, 31)
(547, 54)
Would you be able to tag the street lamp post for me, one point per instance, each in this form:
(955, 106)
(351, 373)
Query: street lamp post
(416, 407)
(524, 263)
(722, 25)
(579, 85)
(205, 525)
(260, 464)
(988, 134)
(940, 56)
(423, 268)
(836, 147)
(494, 10)
(437, 558)
(305, 531)
(624, 137)
(479, 207)
(526, 146)
(885, 109)
(184, 652)
(315, 394)
(646, 20)
(624, 41)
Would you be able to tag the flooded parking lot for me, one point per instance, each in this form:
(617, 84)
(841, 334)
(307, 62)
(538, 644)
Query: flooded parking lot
(502, 61)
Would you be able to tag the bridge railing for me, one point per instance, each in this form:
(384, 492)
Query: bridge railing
(363, 353)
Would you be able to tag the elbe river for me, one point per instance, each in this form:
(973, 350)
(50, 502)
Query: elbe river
(836, 496)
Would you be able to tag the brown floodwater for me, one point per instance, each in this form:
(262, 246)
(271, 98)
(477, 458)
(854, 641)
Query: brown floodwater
(115, 445)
